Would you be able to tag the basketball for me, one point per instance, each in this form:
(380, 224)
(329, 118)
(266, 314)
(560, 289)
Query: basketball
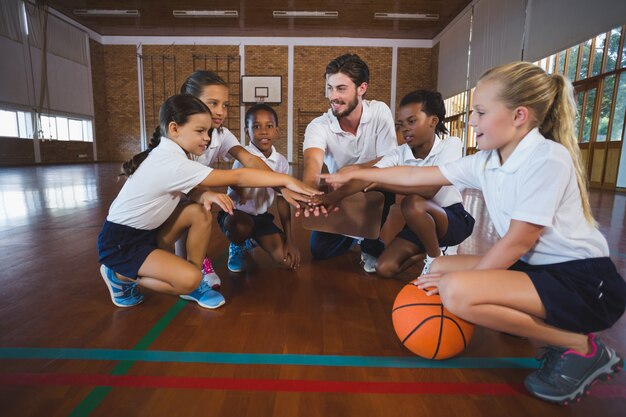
(426, 328)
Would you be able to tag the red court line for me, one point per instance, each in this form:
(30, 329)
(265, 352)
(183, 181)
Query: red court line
(294, 385)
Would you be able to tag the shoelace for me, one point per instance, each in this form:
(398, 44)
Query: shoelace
(207, 266)
(131, 291)
(238, 250)
(552, 360)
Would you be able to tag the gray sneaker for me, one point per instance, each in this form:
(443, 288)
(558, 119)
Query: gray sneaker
(566, 376)
(369, 262)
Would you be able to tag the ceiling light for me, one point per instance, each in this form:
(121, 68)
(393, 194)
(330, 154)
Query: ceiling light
(205, 13)
(106, 12)
(406, 16)
(314, 15)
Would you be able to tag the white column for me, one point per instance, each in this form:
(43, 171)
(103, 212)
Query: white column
(290, 104)
(394, 80)
(242, 108)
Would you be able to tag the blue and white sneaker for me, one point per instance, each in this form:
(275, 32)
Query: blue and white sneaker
(237, 257)
(250, 244)
(123, 294)
(205, 296)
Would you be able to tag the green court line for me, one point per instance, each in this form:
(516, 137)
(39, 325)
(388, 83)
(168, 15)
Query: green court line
(131, 356)
(95, 397)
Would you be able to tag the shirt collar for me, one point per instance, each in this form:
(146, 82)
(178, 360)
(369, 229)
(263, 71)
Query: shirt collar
(169, 145)
(255, 151)
(520, 154)
(365, 117)
(437, 147)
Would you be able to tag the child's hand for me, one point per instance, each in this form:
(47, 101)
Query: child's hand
(291, 256)
(337, 179)
(293, 198)
(429, 283)
(222, 200)
(326, 202)
(301, 188)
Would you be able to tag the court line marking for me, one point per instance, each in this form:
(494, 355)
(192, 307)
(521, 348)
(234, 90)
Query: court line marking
(285, 385)
(97, 395)
(131, 356)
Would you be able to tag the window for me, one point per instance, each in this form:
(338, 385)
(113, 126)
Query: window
(572, 62)
(584, 60)
(65, 128)
(605, 108)
(598, 54)
(620, 108)
(16, 124)
(613, 51)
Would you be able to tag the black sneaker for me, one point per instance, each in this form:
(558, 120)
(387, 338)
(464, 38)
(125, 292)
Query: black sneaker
(565, 376)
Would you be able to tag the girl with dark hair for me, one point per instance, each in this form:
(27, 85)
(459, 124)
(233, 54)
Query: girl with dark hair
(213, 91)
(145, 220)
(435, 216)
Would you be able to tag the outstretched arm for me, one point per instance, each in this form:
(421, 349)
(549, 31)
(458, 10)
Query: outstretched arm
(246, 177)
(403, 176)
(249, 160)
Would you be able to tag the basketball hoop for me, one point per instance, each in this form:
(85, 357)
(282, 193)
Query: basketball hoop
(260, 93)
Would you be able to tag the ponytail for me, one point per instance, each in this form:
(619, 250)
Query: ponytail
(558, 125)
(132, 164)
(553, 108)
(178, 108)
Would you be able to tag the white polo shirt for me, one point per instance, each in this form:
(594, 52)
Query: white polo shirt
(537, 184)
(221, 143)
(259, 200)
(443, 151)
(375, 136)
(152, 192)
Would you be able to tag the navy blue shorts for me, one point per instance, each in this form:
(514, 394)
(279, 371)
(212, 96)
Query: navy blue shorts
(460, 227)
(263, 223)
(124, 249)
(582, 296)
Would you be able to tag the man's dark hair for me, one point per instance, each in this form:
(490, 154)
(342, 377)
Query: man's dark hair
(352, 66)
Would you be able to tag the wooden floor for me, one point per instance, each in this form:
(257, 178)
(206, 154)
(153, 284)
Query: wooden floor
(316, 342)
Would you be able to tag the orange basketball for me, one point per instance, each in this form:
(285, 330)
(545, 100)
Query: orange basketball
(426, 328)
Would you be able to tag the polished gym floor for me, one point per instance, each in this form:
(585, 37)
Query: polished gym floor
(315, 342)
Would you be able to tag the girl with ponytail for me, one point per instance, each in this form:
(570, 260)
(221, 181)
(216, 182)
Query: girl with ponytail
(145, 220)
(436, 221)
(549, 277)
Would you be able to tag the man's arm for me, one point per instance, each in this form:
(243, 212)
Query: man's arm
(313, 162)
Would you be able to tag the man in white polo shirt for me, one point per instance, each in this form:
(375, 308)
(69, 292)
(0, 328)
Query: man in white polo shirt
(353, 131)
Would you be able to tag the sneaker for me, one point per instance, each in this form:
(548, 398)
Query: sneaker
(205, 296)
(123, 293)
(237, 257)
(209, 275)
(250, 244)
(450, 250)
(566, 376)
(369, 262)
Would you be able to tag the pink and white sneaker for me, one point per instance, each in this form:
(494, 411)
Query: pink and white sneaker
(210, 277)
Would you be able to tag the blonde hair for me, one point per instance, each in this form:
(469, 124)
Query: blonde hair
(550, 99)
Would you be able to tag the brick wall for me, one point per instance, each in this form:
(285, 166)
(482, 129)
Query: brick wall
(309, 87)
(165, 67)
(59, 151)
(272, 60)
(15, 151)
(414, 71)
(117, 126)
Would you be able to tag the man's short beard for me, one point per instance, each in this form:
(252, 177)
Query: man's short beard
(351, 106)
